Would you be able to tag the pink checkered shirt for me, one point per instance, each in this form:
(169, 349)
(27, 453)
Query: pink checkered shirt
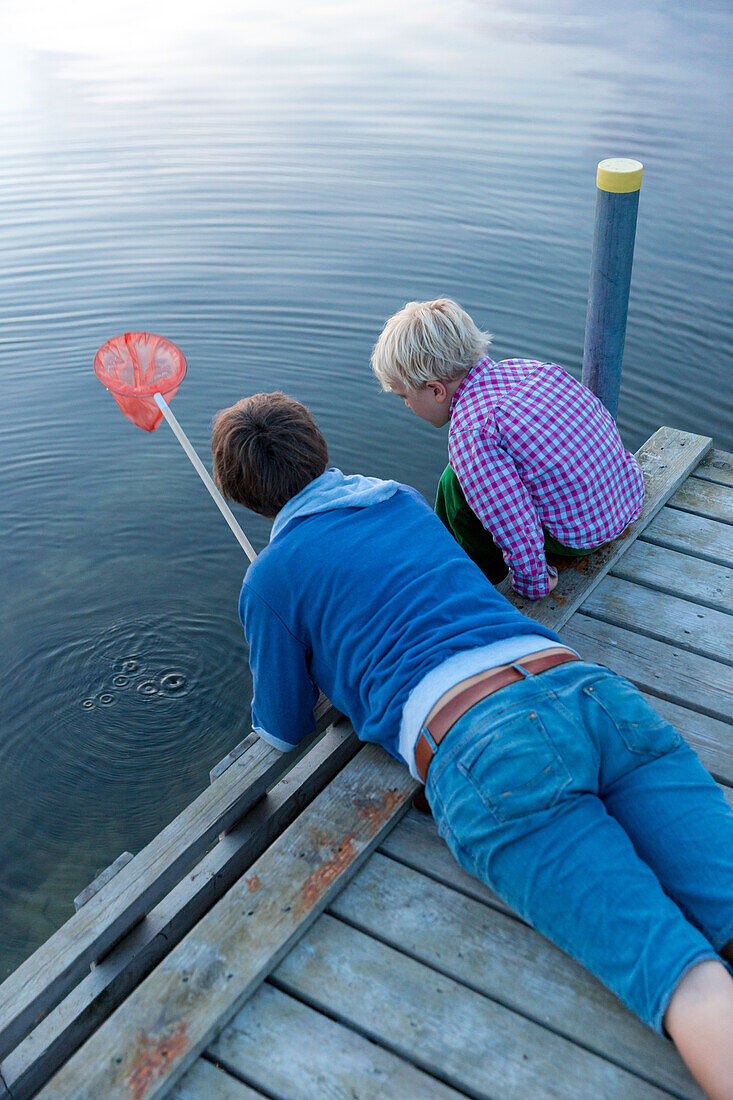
(533, 448)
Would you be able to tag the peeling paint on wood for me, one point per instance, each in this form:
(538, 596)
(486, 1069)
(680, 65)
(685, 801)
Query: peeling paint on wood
(377, 813)
(153, 1057)
(318, 882)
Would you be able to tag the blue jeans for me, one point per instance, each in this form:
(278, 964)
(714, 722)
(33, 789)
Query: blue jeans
(569, 796)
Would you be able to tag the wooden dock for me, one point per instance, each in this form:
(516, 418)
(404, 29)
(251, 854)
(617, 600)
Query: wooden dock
(319, 940)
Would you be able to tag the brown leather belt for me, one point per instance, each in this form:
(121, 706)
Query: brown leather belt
(456, 707)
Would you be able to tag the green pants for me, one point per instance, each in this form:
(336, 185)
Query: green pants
(468, 531)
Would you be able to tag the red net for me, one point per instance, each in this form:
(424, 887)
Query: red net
(135, 366)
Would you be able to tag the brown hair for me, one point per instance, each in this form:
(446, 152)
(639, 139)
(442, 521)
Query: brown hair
(266, 448)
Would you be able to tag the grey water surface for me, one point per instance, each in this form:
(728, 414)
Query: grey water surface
(264, 185)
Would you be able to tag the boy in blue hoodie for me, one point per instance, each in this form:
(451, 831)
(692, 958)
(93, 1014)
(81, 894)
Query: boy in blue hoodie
(540, 768)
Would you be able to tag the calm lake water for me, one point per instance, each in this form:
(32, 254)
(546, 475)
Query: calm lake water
(265, 189)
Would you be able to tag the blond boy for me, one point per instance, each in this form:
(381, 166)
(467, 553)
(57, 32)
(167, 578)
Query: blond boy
(533, 454)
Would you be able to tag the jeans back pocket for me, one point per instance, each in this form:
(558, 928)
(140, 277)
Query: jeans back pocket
(639, 726)
(514, 766)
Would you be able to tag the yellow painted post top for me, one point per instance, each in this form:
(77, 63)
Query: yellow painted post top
(619, 175)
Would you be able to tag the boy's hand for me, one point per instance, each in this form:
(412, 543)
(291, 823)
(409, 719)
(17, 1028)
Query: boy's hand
(552, 582)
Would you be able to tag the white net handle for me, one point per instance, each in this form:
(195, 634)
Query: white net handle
(205, 477)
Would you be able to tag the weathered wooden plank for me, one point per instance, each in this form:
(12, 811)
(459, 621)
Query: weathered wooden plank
(503, 958)
(663, 670)
(203, 982)
(292, 1050)
(229, 759)
(705, 498)
(667, 618)
(677, 574)
(324, 713)
(205, 1081)
(102, 879)
(34, 1060)
(666, 460)
(716, 466)
(44, 978)
(704, 538)
(431, 1020)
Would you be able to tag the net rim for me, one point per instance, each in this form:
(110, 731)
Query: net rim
(125, 389)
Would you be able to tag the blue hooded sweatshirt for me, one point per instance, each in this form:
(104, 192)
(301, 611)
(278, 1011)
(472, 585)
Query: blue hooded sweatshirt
(362, 591)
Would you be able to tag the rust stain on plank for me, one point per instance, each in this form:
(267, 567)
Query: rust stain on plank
(318, 882)
(153, 1059)
(379, 813)
(344, 851)
(253, 883)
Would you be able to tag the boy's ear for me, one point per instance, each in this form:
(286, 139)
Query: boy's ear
(438, 390)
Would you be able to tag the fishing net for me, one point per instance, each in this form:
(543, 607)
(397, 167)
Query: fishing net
(135, 366)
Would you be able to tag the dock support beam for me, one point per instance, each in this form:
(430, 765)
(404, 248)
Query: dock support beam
(618, 182)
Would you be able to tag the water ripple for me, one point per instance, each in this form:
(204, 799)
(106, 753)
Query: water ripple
(115, 704)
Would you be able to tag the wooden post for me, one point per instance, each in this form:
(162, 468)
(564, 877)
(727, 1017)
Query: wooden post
(618, 182)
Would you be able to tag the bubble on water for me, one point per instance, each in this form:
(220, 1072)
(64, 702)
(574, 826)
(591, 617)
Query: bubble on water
(173, 681)
(133, 732)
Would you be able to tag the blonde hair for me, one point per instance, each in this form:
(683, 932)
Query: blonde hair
(428, 341)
